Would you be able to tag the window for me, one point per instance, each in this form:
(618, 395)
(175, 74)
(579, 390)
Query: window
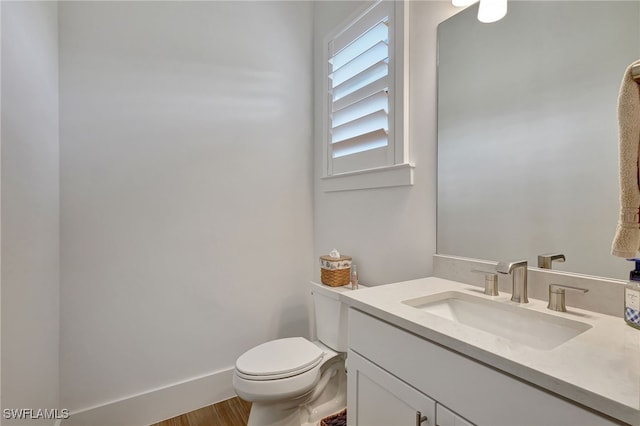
(365, 101)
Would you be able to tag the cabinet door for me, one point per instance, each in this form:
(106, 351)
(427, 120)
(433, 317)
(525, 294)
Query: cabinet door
(446, 417)
(376, 398)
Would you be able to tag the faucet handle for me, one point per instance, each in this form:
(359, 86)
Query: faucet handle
(545, 260)
(556, 296)
(490, 282)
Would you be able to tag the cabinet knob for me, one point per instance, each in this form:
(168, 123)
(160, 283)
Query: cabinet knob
(420, 418)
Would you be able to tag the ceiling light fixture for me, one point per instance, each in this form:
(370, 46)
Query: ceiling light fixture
(488, 11)
(492, 10)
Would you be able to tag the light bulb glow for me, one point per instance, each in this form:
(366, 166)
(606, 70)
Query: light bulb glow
(462, 3)
(492, 10)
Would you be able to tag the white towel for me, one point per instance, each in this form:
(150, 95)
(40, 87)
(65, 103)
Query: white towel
(626, 242)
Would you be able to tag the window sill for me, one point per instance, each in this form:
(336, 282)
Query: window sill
(380, 177)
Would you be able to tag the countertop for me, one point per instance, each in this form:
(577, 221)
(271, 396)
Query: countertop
(599, 368)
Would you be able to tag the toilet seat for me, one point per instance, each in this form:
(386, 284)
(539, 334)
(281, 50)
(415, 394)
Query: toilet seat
(279, 359)
(291, 381)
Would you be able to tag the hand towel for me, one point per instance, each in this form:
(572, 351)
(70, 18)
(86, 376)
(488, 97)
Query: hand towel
(626, 242)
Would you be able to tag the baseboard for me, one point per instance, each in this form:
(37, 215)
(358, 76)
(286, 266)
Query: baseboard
(158, 404)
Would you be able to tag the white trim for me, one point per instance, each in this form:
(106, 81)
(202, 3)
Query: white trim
(381, 177)
(401, 73)
(158, 404)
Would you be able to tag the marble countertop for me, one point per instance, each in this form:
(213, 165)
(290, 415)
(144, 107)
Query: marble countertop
(599, 368)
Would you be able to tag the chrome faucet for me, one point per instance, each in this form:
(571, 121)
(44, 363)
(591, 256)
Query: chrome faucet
(518, 272)
(545, 260)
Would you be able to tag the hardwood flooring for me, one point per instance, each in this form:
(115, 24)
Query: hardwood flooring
(232, 412)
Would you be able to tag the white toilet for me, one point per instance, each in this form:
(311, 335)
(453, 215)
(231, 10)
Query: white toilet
(293, 381)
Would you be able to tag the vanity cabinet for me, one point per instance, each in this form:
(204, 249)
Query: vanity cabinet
(377, 398)
(392, 374)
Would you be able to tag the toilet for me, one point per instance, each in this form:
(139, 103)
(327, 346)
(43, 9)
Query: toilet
(293, 381)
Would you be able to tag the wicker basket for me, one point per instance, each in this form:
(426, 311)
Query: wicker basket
(335, 272)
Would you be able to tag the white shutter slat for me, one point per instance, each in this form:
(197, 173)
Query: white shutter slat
(368, 123)
(364, 142)
(377, 53)
(370, 18)
(368, 76)
(361, 93)
(376, 101)
(360, 161)
(378, 33)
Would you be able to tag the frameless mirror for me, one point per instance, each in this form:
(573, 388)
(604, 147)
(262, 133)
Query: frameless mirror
(527, 132)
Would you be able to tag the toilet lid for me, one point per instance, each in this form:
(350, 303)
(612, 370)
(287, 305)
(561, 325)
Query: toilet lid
(279, 358)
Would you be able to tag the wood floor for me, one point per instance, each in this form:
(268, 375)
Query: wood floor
(232, 412)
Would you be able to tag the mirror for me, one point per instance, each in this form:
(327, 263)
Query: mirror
(527, 132)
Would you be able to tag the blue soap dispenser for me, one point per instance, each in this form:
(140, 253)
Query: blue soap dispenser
(632, 297)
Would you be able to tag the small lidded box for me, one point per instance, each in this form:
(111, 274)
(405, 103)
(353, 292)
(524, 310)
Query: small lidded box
(335, 270)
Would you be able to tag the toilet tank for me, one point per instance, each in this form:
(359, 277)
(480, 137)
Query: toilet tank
(331, 315)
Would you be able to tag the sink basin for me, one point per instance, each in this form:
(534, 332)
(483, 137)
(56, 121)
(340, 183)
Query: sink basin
(516, 323)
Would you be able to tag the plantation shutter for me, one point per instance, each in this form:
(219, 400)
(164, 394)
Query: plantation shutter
(359, 105)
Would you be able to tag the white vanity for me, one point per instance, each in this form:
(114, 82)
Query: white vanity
(410, 364)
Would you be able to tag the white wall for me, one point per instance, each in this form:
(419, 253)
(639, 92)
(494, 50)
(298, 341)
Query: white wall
(390, 232)
(30, 209)
(186, 204)
(186, 189)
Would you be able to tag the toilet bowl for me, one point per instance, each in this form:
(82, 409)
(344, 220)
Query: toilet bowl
(307, 384)
(294, 381)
